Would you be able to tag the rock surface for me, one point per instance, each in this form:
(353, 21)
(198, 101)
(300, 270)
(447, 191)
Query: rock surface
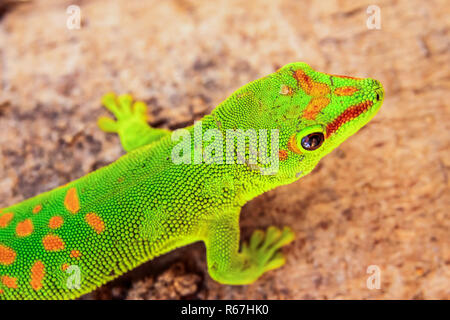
(381, 199)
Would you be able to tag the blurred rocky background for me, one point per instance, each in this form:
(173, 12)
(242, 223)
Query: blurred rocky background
(381, 199)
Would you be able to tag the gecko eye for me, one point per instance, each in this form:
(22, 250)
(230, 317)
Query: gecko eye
(312, 141)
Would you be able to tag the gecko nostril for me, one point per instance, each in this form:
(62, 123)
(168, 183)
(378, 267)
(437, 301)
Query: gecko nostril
(379, 94)
(378, 89)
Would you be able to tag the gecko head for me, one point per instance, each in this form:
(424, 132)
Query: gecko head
(315, 112)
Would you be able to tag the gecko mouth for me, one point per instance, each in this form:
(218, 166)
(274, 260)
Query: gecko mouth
(349, 114)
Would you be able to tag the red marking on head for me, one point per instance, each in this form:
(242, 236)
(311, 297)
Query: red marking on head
(345, 91)
(7, 255)
(304, 80)
(65, 266)
(95, 222)
(5, 219)
(71, 201)
(53, 242)
(24, 228)
(37, 275)
(314, 107)
(10, 282)
(311, 87)
(349, 114)
(55, 222)
(37, 208)
(282, 155)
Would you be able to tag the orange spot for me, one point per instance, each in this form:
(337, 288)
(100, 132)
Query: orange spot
(350, 113)
(71, 201)
(311, 87)
(37, 208)
(95, 222)
(24, 228)
(53, 242)
(1, 291)
(314, 107)
(75, 254)
(37, 275)
(5, 219)
(345, 91)
(7, 255)
(10, 282)
(282, 155)
(55, 222)
(64, 266)
(292, 145)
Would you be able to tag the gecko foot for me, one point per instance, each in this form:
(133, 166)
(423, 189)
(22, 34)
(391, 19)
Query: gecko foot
(126, 112)
(263, 250)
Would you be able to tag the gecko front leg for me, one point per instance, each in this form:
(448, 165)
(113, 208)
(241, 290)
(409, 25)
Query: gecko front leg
(131, 124)
(228, 265)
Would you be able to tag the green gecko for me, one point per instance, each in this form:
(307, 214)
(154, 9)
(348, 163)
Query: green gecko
(159, 196)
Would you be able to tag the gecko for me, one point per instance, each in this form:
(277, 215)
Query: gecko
(174, 188)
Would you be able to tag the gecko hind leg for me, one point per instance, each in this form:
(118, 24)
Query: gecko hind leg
(131, 124)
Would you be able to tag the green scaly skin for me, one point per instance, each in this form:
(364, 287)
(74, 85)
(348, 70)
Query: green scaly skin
(144, 205)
